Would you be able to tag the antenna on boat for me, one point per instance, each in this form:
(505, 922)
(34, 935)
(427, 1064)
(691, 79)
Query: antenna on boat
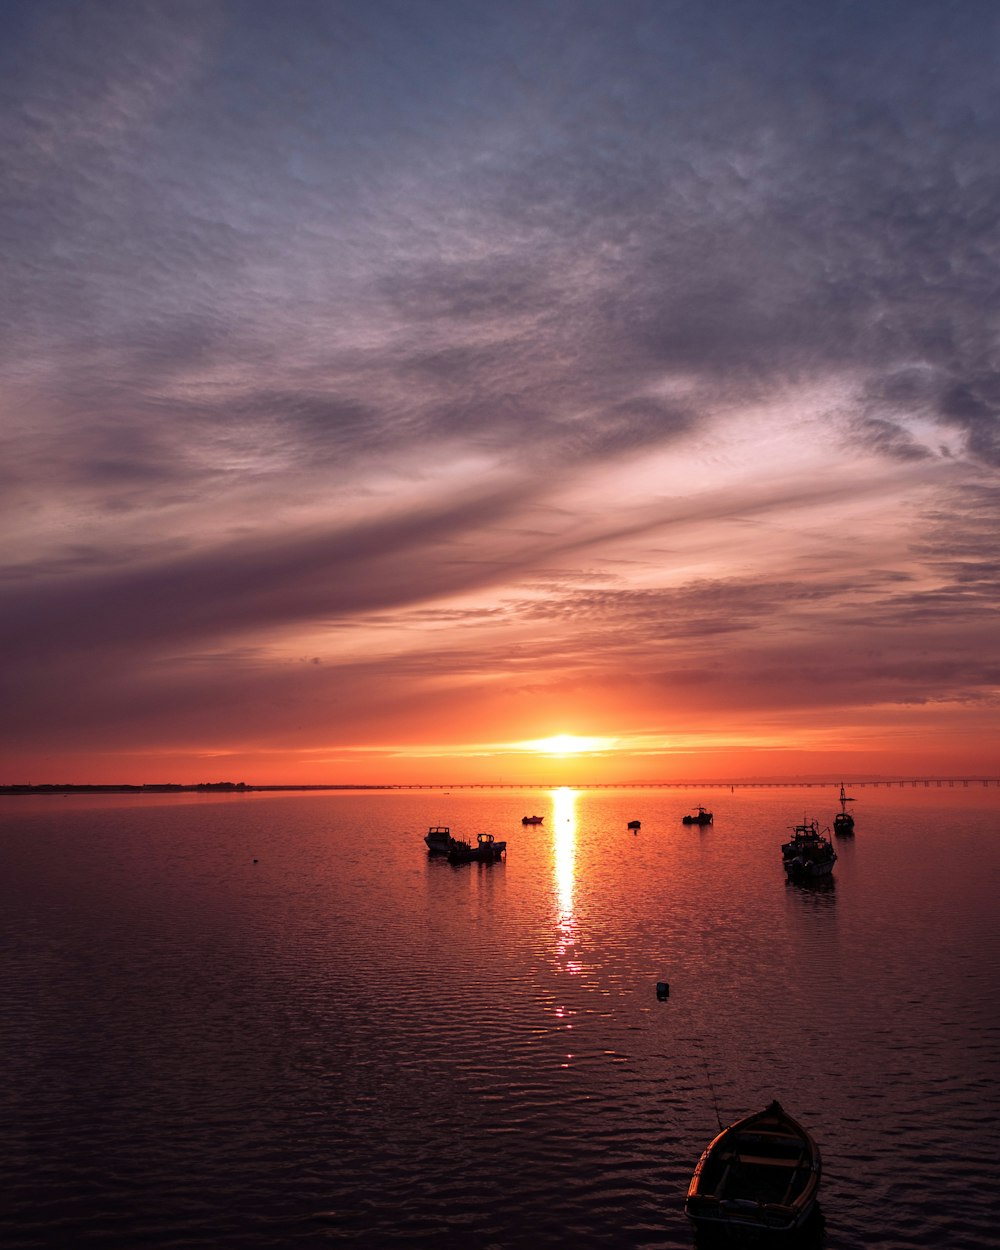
(715, 1101)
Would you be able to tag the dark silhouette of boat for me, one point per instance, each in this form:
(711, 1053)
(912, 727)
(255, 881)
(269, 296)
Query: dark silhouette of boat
(439, 840)
(635, 824)
(486, 851)
(697, 817)
(761, 1174)
(532, 820)
(843, 822)
(809, 853)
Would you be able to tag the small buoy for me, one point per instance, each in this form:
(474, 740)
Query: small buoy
(255, 861)
(662, 990)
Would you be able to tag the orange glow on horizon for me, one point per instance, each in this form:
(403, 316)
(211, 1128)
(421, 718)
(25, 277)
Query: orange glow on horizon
(785, 746)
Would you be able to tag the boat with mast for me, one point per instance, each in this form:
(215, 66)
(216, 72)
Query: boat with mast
(843, 822)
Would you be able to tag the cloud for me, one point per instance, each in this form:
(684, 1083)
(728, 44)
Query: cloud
(364, 319)
(249, 585)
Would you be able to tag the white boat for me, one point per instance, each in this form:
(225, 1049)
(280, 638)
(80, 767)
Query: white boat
(439, 840)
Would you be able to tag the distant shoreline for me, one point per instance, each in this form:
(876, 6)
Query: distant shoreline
(201, 787)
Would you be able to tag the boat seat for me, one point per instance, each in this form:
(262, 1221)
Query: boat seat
(768, 1161)
(794, 1183)
(720, 1189)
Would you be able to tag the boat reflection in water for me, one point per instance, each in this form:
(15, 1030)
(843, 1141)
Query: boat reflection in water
(811, 1236)
(824, 888)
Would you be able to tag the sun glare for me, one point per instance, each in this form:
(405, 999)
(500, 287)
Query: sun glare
(568, 744)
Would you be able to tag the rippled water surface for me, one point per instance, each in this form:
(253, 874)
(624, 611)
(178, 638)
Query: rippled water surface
(274, 1020)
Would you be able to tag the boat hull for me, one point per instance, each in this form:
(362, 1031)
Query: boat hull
(797, 867)
(473, 855)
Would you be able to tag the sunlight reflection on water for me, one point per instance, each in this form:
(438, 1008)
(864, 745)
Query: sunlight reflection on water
(564, 863)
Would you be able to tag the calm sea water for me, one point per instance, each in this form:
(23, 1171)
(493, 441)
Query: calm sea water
(275, 1021)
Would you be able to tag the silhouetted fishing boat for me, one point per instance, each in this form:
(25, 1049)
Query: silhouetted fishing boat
(439, 840)
(486, 851)
(808, 854)
(761, 1173)
(697, 817)
(532, 820)
(843, 822)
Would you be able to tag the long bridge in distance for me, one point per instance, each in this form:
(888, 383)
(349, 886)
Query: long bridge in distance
(242, 787)
(880, 783)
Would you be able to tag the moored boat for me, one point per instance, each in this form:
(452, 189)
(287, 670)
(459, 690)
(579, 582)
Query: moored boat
(532, 820)
(843, 822)
(698, 817)
(486, 851)
(439, 840)
(808, 853)
(761, 1173)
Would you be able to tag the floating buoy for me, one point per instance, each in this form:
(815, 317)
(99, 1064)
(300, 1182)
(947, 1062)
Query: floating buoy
(662, 990)
(255, 861)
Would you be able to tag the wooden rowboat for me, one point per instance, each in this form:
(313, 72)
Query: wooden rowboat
(762, 1172)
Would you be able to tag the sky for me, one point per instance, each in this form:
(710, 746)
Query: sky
(412, 391)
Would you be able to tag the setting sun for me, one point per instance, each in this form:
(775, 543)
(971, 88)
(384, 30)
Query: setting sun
(569, 744)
